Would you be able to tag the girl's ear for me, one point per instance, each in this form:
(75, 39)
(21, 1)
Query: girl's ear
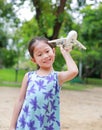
(54, 50)
(33, 60)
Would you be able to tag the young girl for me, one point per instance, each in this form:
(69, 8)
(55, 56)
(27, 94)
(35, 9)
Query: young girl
(37, 107)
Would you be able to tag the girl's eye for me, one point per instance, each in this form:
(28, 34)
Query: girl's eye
(47, 51)
(39, 54)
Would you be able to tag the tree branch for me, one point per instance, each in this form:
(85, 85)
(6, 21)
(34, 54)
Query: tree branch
(58, 22)
(36, 4)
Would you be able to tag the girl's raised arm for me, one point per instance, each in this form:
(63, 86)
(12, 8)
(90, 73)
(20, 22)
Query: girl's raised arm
(72, 69)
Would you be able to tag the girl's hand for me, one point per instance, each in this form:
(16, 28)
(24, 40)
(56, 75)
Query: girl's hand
(65, 50)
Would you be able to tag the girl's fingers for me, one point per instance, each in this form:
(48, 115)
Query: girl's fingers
(67, 49)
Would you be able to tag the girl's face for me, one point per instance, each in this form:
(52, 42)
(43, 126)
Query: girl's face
(44, 55)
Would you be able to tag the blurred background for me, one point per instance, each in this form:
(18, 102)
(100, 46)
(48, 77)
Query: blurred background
(22, 20)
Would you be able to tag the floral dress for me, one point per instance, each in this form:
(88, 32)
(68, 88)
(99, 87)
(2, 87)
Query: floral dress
(40, 110)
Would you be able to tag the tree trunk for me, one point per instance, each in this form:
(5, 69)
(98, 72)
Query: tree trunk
(57, 22)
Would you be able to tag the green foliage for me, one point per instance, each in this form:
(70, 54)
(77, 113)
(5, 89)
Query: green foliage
(4, 7)
(8, 19)
(3, 38)
(44, 26)
(59, 60)
(91, 28)
(46, 19)
(7, 12)
(8, 57)
(26, 32)
(91, 35)
(67, 25)
(47, 22)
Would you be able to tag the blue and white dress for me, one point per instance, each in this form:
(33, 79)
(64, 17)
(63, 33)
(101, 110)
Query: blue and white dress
(41, 107)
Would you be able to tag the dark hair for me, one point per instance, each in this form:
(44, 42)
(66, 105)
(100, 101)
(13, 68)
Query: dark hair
(36, 40)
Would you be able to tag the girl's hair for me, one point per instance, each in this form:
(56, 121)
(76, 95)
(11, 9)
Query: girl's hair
(36, 40)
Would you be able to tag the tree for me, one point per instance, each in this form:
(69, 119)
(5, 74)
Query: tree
(49, 19)
(52, 20)
(54, 15)
(91, 32)
(7, 19)
(9, 57)
(49, 15)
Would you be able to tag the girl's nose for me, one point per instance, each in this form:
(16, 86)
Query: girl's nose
(45, 55)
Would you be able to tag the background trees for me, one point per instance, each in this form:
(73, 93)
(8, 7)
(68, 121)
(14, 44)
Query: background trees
(54, 19)
(91, 34)
(8, 20)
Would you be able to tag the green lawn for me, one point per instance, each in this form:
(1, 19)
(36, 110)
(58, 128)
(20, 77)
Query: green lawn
(77, 86)
(94, 81)
(10, 75)
(8, 78)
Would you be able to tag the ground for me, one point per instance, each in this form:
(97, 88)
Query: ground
(80, 110)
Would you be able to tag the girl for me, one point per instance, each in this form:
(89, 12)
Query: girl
(37, 107)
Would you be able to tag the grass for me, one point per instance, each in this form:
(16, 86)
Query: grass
(94, 81)
(10, 75)
(77, 86)
(8, 78)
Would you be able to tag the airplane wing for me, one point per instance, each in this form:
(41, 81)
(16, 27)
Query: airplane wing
(58, 42)
(80, 45)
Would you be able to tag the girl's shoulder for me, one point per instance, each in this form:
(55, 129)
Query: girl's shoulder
(56, 73)
(29, 74)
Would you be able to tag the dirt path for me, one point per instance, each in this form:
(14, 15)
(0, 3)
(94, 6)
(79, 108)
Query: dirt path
(79, 110)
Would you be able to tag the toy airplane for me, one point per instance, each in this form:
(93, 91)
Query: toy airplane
(69, 41)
